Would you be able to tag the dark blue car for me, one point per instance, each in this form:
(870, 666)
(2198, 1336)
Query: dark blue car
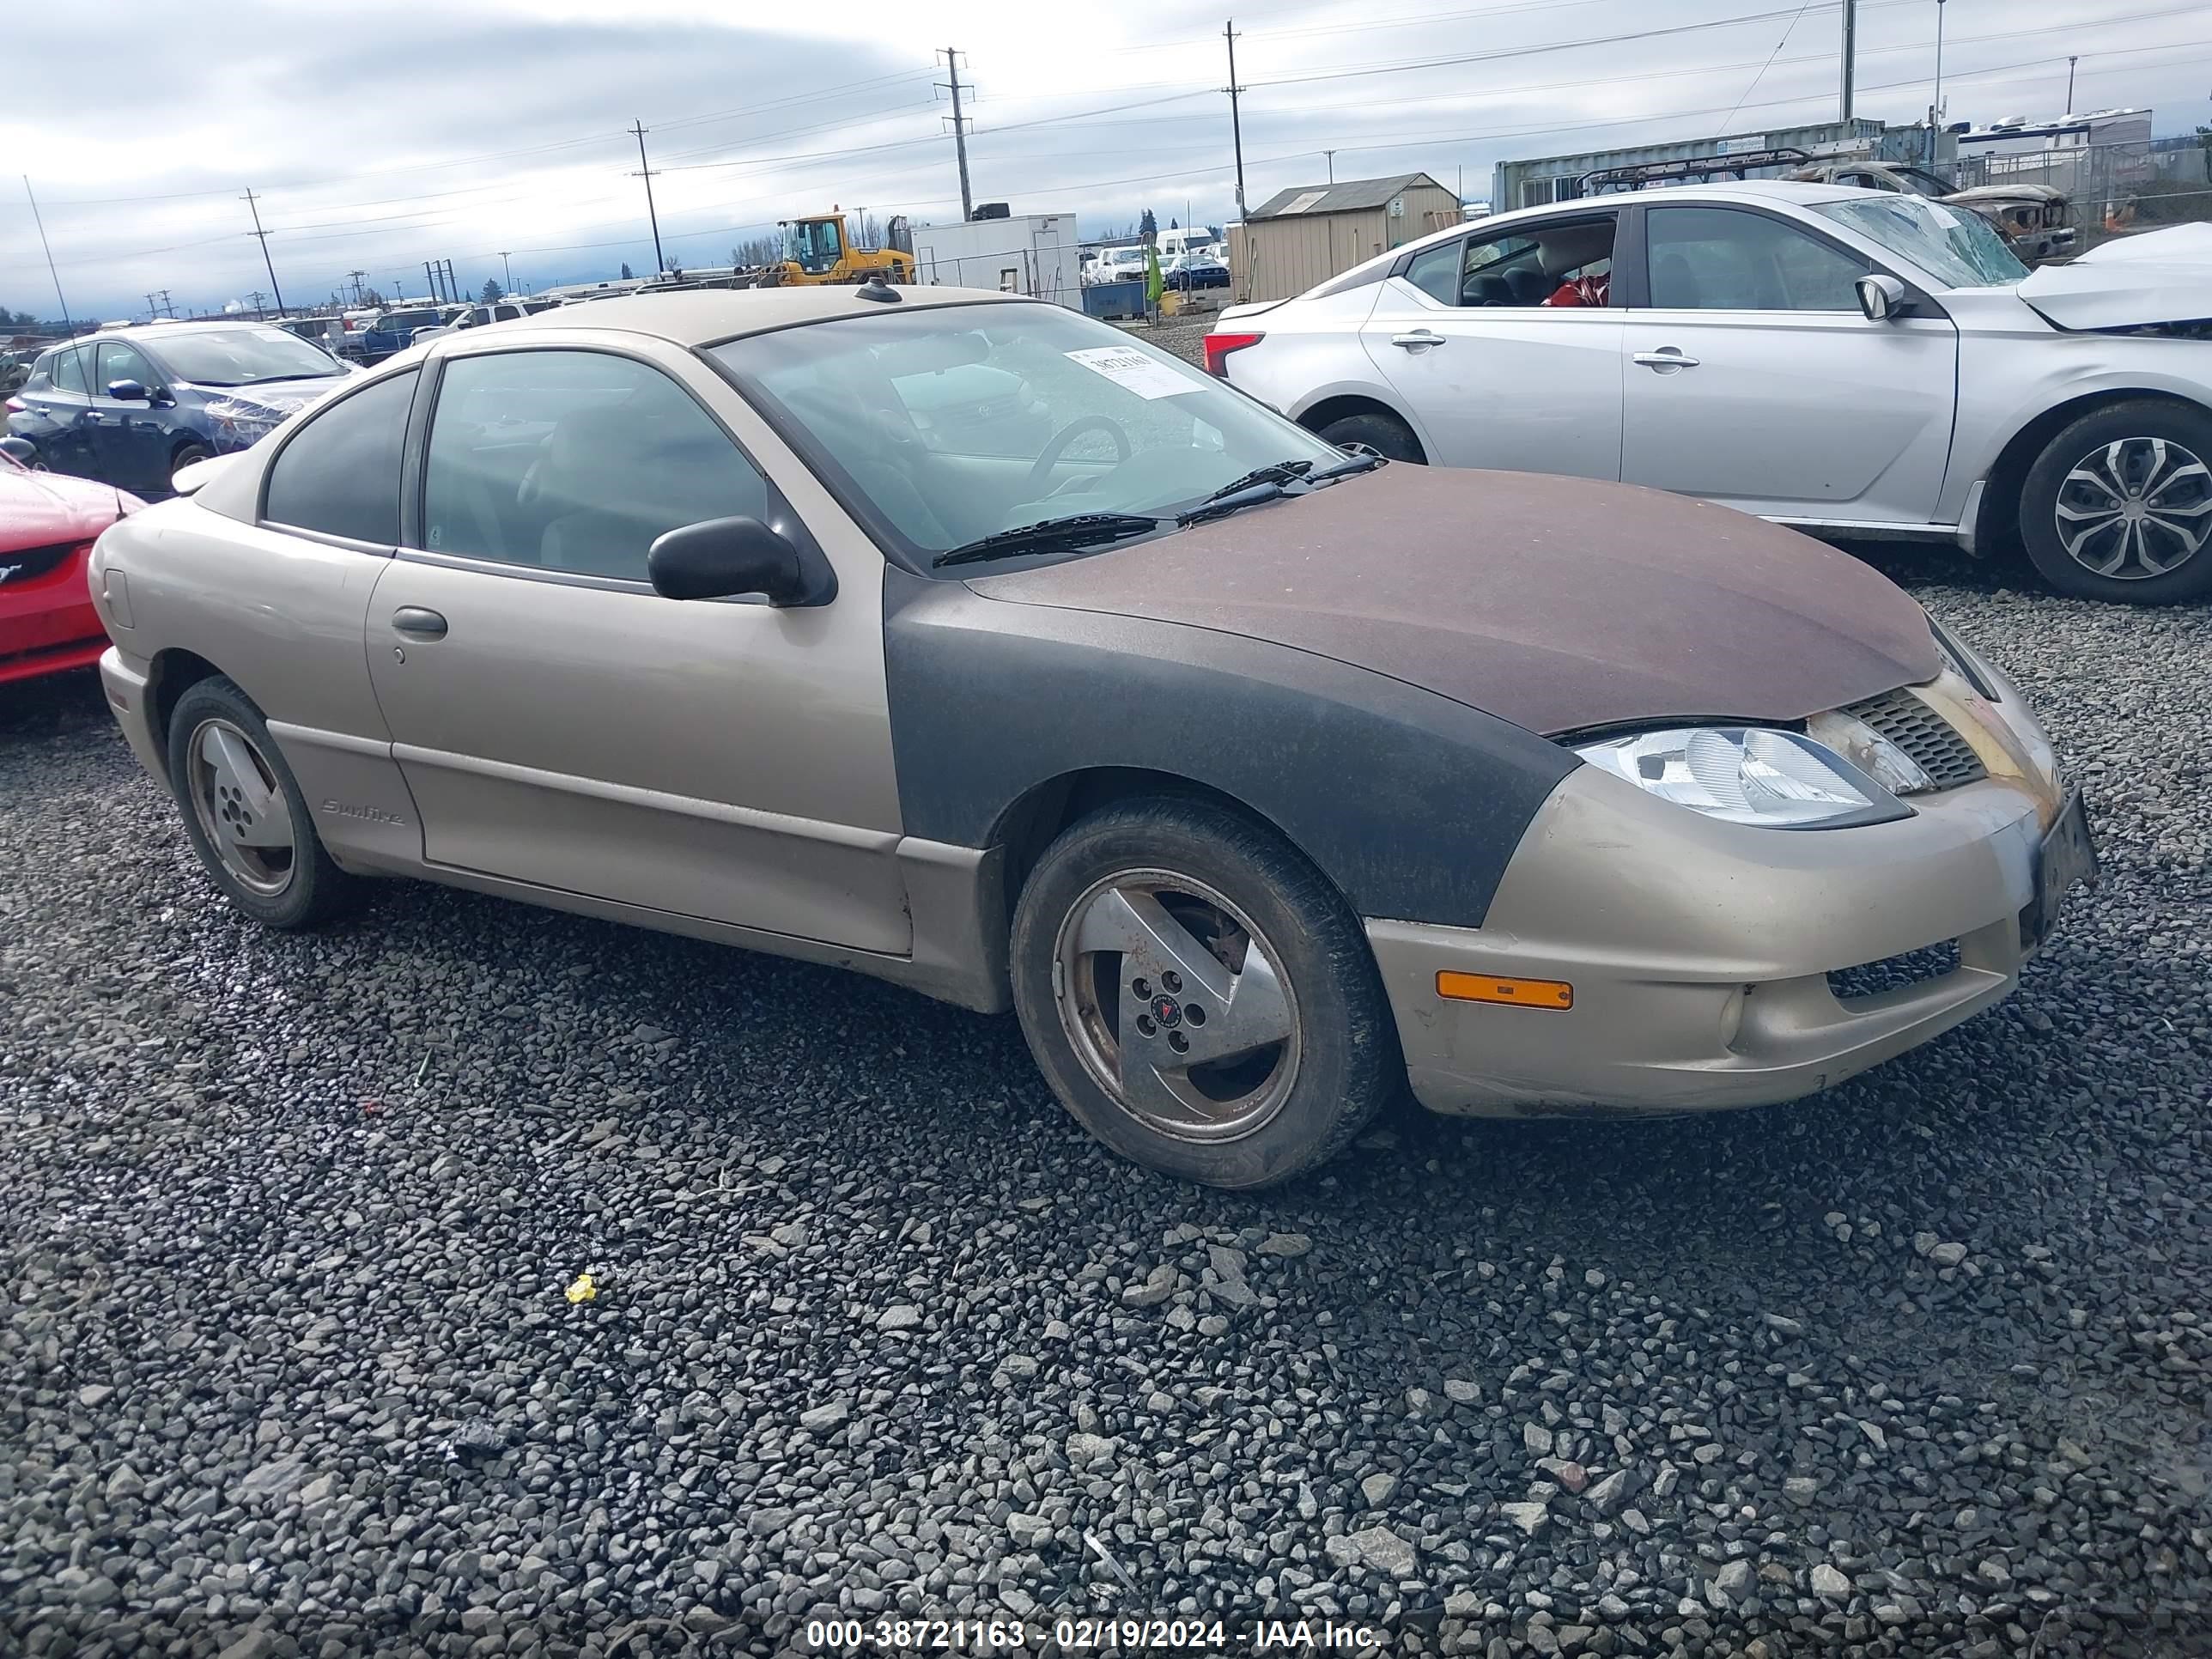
(394, 330)
(130, 406)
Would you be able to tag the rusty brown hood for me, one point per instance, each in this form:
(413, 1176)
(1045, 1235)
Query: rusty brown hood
(1558, 604)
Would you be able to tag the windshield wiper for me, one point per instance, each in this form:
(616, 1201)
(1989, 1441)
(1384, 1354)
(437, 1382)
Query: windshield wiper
(1276, 473)
(1347, 467)
(1265, 483)
(1048, 535)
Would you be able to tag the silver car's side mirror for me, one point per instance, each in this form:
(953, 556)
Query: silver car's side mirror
(1880, 296)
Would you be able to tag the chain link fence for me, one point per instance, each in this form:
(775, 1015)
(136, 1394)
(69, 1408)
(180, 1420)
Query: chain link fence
(2114, 190)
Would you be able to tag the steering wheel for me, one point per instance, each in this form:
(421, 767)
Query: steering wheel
(1058, 443)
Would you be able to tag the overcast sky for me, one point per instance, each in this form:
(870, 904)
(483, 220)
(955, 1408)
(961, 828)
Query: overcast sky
(379, 137)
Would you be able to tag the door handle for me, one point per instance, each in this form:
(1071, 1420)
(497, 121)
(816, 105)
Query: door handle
(1417, 339)
(416, 623)
(1667, 357)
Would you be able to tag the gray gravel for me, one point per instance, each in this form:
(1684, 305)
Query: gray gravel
(288, 1365)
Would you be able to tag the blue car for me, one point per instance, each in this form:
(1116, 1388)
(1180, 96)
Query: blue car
(130, 406)
(394, 330)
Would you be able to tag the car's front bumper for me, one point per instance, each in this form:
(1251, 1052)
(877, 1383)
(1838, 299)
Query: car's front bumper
(1698, 951)
(47, 623)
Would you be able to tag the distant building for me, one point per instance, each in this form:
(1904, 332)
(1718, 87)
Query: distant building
(1300, 237)
(1542, 180)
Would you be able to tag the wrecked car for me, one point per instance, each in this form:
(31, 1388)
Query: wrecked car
(1260, 780)
(2036, 220)
(1859, 363)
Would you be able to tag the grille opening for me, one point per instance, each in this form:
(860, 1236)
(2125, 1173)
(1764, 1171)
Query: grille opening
(1933, 742)
(1894, 973)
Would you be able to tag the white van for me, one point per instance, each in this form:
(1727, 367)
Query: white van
(1197, 238)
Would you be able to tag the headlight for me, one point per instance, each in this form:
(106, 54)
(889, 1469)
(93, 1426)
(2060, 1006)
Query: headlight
(1746, 775)
(240, 425)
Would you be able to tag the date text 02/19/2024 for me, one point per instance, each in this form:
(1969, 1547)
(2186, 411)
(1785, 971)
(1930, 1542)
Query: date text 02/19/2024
(1120, 1633)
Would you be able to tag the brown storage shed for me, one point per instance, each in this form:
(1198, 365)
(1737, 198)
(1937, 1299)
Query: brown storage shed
(1305, 235)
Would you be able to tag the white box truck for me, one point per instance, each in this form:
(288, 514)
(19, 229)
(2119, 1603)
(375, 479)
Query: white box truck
(1033, 253)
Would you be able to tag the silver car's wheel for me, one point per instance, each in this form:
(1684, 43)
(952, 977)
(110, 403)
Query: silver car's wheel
(2134, 508)
(241, 808)
(1177, 1005)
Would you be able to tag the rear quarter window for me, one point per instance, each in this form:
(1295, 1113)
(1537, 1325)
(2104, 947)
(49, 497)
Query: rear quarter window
(339, 473)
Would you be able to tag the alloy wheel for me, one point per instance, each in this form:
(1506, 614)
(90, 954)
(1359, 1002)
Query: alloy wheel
(241, 807)
(1177, 1005)
(2134, 508)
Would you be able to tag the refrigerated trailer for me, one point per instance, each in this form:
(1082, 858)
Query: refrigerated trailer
(1034, 253)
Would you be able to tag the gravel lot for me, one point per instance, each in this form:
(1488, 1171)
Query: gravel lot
(286, 1366)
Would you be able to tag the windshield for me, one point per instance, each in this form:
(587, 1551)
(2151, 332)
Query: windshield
(811, 245)
(949, 425)
(242, 356)
(1959, 248)
(403, 322)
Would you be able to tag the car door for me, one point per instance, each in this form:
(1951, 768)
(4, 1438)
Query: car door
(1754, 378)
(132, 435)
(1494, 370)
(58, 411)
(561, 725)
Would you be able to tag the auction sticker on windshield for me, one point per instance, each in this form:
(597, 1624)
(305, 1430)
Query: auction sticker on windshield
(1127, 366)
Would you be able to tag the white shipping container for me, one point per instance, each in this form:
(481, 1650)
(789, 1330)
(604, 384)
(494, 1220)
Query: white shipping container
(1034, 254)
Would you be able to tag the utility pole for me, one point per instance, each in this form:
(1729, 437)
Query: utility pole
(644, 172)
(356, 277)
(1936, 109)
(43, 243)
(1236, 125)
(508, 269)
(152, 311)
(258, 309)
(2070, 62)
(951, 83)
(274, 288)
(1331, 154)
(430, 280)
(453, 289)
(1850, 52)
(168, 306)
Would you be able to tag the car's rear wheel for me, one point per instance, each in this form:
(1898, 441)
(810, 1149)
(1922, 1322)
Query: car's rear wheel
(245, 813)
(2118, 507)
(1198, 996)
(1375, 433)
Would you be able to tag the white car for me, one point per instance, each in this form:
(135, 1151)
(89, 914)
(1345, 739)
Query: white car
(1854, 363)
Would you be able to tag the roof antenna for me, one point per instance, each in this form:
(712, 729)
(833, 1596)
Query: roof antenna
(878, 286)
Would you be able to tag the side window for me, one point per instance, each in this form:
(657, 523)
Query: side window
(575, 461)
(68, 371)
(1436, 271)
(339, 473)
(119, 360)
(1725, 259)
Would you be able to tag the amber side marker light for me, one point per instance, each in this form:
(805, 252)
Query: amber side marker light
(1552, 994)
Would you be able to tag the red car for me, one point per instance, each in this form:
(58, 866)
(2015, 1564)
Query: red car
(47, 523)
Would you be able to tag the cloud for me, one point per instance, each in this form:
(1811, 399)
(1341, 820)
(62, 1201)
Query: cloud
(378, 139)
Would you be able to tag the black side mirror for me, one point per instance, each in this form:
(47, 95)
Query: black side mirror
(726, 558)
(129, 392)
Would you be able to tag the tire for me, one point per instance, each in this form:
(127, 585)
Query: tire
(1386, 434)
(185, 455)
(1182, 872)
(216, 738)
(2140, 553)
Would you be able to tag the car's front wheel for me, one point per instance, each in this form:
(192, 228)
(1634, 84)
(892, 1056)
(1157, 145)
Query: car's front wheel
(1198, 996)
(2118, 507)
(245, 813)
